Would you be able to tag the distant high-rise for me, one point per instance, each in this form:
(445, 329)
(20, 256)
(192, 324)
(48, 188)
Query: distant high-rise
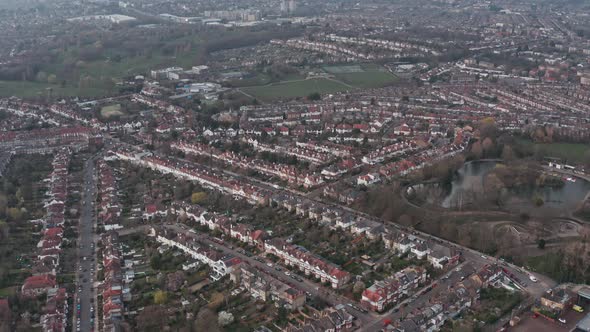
(292, 6)
(288, 6)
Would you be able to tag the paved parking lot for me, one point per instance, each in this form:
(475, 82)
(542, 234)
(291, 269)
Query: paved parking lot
(540, 324)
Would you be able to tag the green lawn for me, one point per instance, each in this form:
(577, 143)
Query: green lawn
(370, 76)
(295, 89)
(7, 292)
(571, 152)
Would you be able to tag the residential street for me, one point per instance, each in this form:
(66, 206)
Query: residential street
(307, 286)
(370, 321)
(86, 296)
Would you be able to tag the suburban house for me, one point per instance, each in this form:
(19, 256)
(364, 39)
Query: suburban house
(390, 291)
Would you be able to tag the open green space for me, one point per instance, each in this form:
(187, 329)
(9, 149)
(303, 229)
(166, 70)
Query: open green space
(570, 152)
(345, 77)
(260, 78)
(111, 110)
(363, 76)
(26, 89)
(295, 89)
(345, 69)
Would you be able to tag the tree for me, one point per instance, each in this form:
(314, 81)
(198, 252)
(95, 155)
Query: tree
(198, 197)
(156, 261)
(487, 128)
(225, 318)
(4, 230)
(282, 315)
(206, 321)
(541, 244)
(314, 96)
(358, 287)
(160, 297)
(487, 145)
(476, 150)
(152, 318)
(507, 153)
(41, 77)
(15, 214)
(52, 79)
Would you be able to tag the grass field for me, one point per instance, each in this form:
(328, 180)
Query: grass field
(346, 69)
(111, 110)
(362, 76)
(295, 89)
(25, 89)
(571, 152)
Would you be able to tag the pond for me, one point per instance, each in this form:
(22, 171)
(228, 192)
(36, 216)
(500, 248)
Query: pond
(469, 185)
(469, 182)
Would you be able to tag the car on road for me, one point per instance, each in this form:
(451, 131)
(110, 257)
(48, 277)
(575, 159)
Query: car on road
(278, 269)
(562, 321)
(269, 264)
(287, 273)
(533, 278)
(577, 308)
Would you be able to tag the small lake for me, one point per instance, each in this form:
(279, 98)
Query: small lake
(470, 180)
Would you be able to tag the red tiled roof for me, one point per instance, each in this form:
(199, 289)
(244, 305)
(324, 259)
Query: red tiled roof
(40, 281)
